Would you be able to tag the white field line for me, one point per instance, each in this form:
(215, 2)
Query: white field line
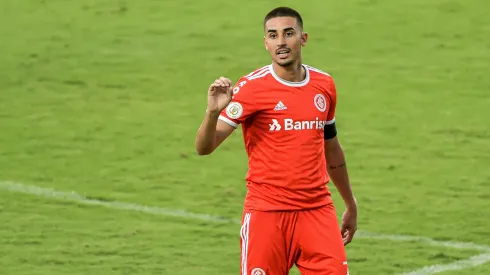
(75, 197)
(426, 240)
(458, 265)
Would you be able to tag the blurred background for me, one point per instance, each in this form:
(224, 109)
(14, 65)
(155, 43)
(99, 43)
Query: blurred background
(100, 102)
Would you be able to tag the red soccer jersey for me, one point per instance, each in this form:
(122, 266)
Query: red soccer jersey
(282, 125)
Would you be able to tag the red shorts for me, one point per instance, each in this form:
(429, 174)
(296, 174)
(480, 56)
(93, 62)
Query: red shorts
(272, 242)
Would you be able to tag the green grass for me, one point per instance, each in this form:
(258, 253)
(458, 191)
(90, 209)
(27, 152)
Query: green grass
(105, 97)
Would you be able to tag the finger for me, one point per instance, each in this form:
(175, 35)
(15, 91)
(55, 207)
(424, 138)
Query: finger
(217, 88)
(343, 230)
(224, 81)
(219, 83)
(220, 86)
(214, 85)
(228, 82)
(345, 238)
(349, 237)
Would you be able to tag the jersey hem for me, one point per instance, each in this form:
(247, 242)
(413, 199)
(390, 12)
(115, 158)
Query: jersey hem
(287, 209)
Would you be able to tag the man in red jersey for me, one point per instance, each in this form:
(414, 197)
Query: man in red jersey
(287, 113)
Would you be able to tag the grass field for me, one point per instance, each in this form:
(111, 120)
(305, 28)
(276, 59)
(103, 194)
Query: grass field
(104, 98)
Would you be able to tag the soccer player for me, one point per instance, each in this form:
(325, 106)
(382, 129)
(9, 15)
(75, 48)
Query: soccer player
(287, 113)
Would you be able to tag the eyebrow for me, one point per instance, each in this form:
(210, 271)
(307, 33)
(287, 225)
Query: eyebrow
(285, 29)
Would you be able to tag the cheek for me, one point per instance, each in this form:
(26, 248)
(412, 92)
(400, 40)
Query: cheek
(295, 46)
(271, 46)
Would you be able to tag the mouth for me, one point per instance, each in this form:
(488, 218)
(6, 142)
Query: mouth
(283, 53)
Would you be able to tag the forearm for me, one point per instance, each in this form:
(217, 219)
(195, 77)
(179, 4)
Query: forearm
(337, 170)
(206, 135)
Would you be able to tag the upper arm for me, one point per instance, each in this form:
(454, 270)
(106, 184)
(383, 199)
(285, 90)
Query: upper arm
(332, 98)
(330, 130)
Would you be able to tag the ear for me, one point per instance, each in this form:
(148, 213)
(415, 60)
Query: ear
(304, 38)
(265, 44)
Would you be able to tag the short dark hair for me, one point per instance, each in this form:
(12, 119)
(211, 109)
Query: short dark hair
(284, 12)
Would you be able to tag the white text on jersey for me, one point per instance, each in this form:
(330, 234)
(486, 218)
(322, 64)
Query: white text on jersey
(290, 124)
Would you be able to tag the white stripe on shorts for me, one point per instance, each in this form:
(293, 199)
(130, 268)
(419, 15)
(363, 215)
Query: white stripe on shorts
(244, 235)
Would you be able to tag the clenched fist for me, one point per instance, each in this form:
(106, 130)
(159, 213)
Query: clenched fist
(220, 94)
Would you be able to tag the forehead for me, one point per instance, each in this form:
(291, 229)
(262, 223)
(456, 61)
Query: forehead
(280, 23)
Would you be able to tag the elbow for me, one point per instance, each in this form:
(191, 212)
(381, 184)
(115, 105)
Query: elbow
(204, 148)
(203, 151)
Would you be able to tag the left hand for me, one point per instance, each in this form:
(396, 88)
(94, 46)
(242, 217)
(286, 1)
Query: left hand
(349, 224)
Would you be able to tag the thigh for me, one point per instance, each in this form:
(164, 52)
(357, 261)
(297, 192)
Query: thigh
(263, 250)
(322, 249)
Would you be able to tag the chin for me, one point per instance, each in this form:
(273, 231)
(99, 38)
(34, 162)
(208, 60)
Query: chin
(285, 63)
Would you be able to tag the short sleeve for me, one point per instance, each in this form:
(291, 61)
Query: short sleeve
(242, 106)
(332, 96)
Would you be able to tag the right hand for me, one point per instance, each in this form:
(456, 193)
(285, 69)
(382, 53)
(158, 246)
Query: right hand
(220, 94)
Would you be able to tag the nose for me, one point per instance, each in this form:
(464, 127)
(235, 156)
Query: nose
(282, 41)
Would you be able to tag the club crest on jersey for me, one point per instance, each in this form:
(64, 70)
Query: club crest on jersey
(320, 102)
(258, 271)
(234, 110)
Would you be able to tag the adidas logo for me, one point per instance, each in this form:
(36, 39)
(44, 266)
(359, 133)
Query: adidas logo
(280, 106)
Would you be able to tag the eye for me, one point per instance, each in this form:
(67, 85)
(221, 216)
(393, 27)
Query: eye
(289, 34)
(272, 35)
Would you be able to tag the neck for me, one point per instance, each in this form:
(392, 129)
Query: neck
(293, 73)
